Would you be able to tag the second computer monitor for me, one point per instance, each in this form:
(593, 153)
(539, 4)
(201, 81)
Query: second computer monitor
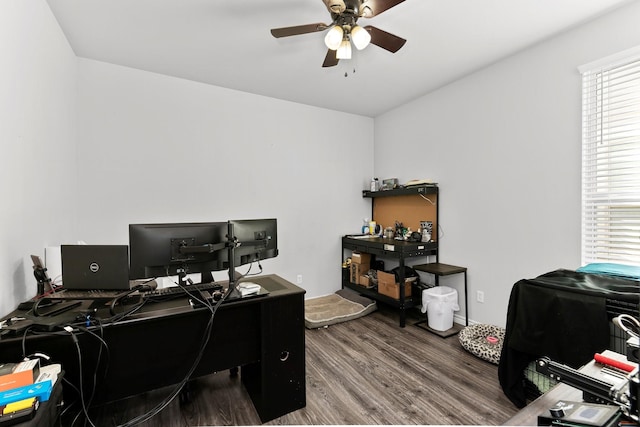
(256, 240)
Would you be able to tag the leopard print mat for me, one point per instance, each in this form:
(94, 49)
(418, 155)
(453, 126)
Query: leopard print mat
(483, 341)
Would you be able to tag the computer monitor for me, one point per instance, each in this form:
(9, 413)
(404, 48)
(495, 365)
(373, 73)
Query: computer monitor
(249, 240)
(254, 240)
(158, 250)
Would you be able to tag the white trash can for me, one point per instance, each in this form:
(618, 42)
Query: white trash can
(439, 303)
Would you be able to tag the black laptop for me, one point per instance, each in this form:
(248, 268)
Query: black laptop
(94, 268)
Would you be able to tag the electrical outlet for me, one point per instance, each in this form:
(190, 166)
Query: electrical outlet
(299, 279)
(480, 296)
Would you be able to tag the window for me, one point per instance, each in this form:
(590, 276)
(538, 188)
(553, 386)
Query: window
(611, 160)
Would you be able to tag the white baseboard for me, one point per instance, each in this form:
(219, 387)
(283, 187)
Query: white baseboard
(459, 319)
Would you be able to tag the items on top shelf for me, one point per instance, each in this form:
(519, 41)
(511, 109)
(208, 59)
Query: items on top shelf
(389, 184)
(416, 182)
(392, 184)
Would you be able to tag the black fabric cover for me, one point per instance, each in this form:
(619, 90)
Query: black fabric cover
(562, 315)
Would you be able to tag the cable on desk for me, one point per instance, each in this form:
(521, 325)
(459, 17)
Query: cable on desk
(24, 352)
(116, 317)
(85, 402)
(55, 287)
(24, 341)
(249, 274)
(142, 287)
(79, 351)
(99, 359)
(205, 340)
(70, 406)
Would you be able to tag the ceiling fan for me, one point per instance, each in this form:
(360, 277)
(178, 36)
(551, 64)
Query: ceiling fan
(344, 29)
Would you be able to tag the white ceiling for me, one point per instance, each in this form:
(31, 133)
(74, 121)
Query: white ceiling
(227, 43)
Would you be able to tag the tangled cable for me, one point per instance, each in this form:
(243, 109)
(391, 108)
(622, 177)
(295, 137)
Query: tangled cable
(629, 324)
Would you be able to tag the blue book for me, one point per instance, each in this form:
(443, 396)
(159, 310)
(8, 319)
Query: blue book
(41, 390)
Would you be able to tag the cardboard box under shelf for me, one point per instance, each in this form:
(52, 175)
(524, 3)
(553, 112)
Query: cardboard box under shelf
(358, 270)
(364, 281)
(361, 258)
(387, 285)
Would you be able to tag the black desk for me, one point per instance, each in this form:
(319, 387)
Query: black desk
(156, 346)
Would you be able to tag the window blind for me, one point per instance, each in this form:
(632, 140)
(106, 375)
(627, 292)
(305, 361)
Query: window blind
(611, 162)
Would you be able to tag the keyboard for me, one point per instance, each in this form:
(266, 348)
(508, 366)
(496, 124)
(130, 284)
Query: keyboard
(177, 291)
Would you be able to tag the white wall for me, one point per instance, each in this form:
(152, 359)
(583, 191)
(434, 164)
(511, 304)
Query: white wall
(154, 148)
(504, 145)
(37, 118)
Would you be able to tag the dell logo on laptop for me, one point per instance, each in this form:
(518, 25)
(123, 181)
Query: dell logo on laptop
(94, 267)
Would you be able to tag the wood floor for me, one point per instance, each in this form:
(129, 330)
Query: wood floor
(367, 371)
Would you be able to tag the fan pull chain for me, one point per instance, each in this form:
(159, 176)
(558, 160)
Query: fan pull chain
(346, 73)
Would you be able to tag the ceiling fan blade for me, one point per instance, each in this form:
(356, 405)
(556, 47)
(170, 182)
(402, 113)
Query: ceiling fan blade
(330, 60)
(298, 29)
(385, 40)
(370, 8)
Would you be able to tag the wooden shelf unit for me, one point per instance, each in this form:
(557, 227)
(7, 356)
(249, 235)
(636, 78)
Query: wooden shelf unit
(409, 206)
(438, 270)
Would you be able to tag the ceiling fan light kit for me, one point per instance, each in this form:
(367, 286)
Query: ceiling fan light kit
(344, 51)
(343, 29)
(360, 37)
(334, 37)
